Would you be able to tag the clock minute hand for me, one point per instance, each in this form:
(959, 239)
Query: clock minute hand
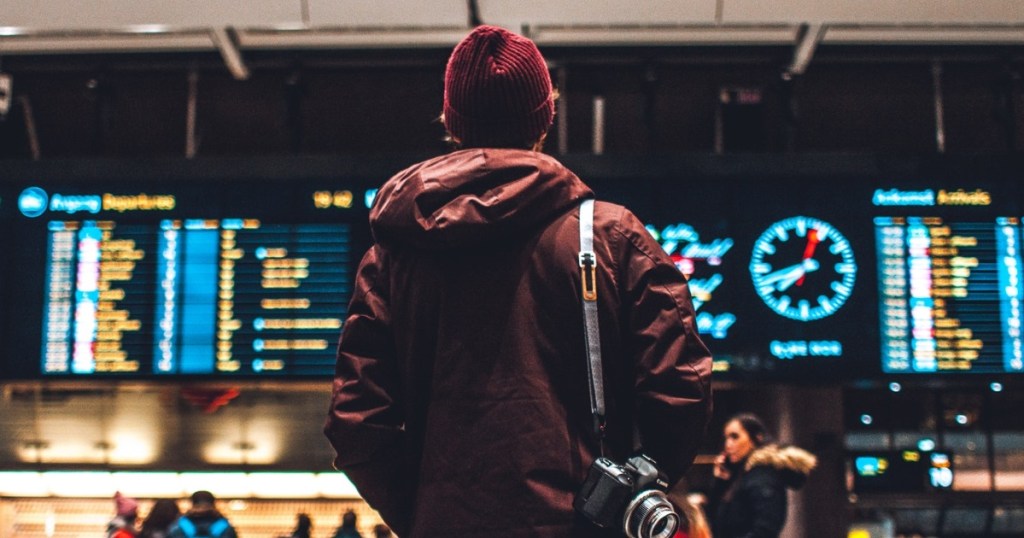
(797, 277)
(784, 274)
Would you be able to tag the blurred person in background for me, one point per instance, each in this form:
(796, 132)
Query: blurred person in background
(203, 520)
(303, 526)
(161, 517)
(382, 531)
(126, 512)
(348, 526)
(748, 498)
(692, 523)
(461, 397)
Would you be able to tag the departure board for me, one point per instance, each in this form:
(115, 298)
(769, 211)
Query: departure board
(194, 296)
(949, 295)
(191, 279)
(815, 270)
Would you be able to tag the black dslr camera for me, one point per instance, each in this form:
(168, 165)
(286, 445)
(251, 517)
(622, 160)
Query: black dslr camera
(631, 496)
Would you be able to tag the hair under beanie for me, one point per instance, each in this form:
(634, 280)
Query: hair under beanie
(497, 90)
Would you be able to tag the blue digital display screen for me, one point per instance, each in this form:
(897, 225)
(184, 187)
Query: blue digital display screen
(802, 279)
(779, 289)
(950, 294)
(186, 279)
(194, 296)
(812, 276)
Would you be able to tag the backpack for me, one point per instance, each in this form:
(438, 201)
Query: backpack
(212, 530)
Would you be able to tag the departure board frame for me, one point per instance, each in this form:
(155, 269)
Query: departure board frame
(136, 271)
(775, 302)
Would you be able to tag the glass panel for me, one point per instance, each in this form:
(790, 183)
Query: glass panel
(922, 521)
(867, 441)
(925, 441)
(970, 461)
(908, 409)
(1008, 520)
(1009, 455)
(970, 521)
(1006, 409)
(962, 411)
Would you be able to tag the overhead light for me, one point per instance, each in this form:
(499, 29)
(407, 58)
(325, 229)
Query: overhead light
(149, 29)
(13, 41)
(779, 34)
(78, 483)
(156, 484)
(334, 38)
(924, 34)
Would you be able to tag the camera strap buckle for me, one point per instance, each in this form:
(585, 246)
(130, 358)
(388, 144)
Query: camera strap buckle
(588, 275)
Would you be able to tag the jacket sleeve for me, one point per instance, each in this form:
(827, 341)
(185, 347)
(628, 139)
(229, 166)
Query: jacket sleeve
(672, 367)
(766, 496)
(365, 423)
(715, 495)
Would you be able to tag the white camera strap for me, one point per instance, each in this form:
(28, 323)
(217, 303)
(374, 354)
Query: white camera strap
(592, 331)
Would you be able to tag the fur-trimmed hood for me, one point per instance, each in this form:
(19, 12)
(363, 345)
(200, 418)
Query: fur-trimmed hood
(794, 463)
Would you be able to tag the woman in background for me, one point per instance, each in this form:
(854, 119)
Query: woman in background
(748, 499)
(165, 512)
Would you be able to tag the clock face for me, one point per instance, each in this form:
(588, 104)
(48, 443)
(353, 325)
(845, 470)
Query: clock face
(803, 268)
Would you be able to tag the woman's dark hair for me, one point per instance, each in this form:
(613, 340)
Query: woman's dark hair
(160, 517)
(754, 426)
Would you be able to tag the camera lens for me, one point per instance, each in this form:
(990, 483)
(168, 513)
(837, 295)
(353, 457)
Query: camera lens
(650, 515)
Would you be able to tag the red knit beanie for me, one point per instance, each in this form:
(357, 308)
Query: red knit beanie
(497, 90)
(125, 506)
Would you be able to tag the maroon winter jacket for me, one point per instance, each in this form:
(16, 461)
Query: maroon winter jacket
(461, 404)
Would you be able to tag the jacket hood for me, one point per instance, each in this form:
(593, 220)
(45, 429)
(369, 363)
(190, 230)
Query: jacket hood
(203, 513)
(473, 196)
(794, 463)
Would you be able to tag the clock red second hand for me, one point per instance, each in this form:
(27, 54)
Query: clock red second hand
(812, 241)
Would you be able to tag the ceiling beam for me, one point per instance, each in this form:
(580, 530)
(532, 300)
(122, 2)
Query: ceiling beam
(226, 41)
(807, 42)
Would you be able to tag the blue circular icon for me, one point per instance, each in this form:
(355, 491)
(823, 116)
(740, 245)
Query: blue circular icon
(32, 202)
